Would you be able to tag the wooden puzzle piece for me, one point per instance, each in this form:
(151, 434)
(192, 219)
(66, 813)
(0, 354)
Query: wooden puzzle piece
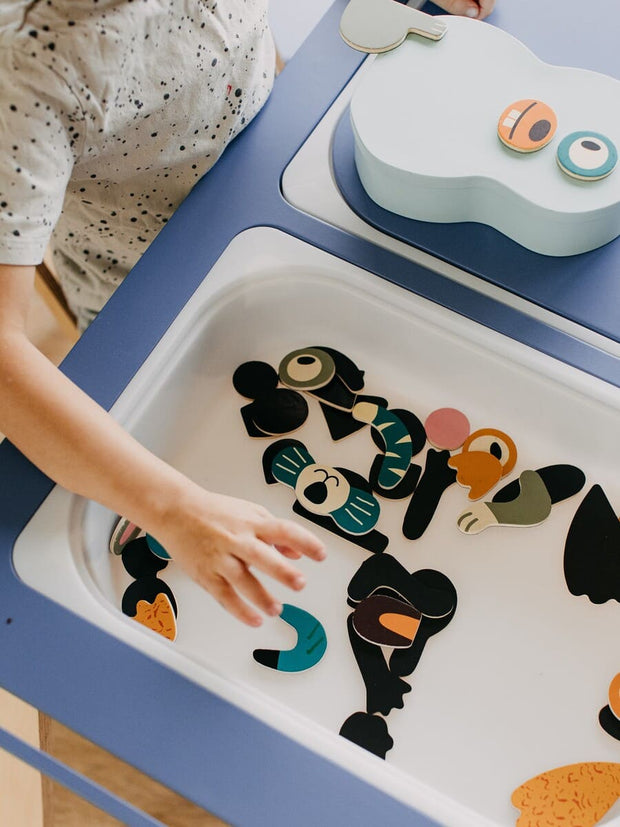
(341, 423)
(386, 621)
(527, 125)
(384, 690)
(399, 435)
(526, 501)
(530, 507)
(434, 596)
(587, 156)
(428, 591)
(447, 428)
(147, 589)
(577, 795)
(368, 731)
(124, 532)
(436, 478)
(396, 437)
(592, 549)
(275, 411)
(324, 373)
(487, 456)
(381, 25)
(609, 716)
(139, 561)
(157, 548)
(335, 498)
(307, 652)
(158, 616)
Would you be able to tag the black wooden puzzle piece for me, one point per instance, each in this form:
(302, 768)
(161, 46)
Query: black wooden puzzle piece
(139, 561)
(431, 592)
(561, 481)
(592, 549)
(436, 478)
(373, 541)
(427, 590)
(340, 423)
(609, 722)
(369, 732)
(274, 411)
(384, 690)
(146, 588)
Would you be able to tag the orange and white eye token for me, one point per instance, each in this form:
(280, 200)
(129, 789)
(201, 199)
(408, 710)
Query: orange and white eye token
(527, 125)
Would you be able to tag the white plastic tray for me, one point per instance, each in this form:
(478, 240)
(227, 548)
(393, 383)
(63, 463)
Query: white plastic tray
(513, 685)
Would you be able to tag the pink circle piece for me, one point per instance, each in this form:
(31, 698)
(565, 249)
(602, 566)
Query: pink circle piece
(447, 428)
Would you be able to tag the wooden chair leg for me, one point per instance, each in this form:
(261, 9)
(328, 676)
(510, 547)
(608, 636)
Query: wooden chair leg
(51, 293)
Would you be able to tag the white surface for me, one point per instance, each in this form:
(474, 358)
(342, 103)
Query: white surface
(514, 684)
(427, 146)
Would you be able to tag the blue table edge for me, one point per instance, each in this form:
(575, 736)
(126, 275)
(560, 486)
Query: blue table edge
(150, 716)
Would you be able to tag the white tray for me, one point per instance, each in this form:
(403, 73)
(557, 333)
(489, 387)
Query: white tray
(513, 685)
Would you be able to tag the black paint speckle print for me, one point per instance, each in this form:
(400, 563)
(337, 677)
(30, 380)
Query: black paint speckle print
(110, 111)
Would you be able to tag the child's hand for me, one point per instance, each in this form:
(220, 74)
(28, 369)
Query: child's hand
(221, 540)
(467, 8)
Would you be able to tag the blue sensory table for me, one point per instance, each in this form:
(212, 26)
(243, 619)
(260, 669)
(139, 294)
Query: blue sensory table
(216, 754)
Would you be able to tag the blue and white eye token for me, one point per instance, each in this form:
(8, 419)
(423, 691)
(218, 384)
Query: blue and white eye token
(588, 156)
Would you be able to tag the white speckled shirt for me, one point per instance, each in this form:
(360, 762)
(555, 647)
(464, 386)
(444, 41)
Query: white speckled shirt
(110, 111)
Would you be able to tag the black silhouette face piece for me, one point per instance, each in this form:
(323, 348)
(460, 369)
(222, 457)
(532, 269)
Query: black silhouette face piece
(274, 411)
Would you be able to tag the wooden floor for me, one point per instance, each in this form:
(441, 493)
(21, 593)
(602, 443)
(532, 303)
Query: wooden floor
(21, 787)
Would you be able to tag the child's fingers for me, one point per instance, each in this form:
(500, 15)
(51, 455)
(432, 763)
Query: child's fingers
(291, 553)
(486, 7)
(287, 534)
(254, 591)
(465, 8)
(266, 559)
(225, 594)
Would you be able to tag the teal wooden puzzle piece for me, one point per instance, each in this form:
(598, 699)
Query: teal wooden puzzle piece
(157, 548)
(307, 652)
(397, 439)
(321, 489)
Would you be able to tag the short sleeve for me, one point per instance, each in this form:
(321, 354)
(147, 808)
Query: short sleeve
(41, 129)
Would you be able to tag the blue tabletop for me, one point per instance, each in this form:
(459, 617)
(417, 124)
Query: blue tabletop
(215, 753)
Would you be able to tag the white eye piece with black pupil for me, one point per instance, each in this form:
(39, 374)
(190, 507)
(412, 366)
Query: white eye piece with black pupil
(587, 156)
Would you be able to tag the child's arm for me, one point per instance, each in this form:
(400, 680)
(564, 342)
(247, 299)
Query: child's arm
(467, 8)
(218, 540)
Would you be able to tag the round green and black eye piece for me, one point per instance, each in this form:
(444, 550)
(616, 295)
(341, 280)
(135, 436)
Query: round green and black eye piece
(307, 369)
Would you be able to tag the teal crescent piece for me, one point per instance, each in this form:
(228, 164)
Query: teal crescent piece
(307, 652)
(157, 548)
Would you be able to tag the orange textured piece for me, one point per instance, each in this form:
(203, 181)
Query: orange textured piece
(614, 696)
(158, 616)
(577, 795)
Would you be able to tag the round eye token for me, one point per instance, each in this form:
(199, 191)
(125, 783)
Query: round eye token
(307, 369)
(527, 125)
(587, 156)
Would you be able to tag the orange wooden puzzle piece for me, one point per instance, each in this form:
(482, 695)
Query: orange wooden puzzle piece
(577, 795)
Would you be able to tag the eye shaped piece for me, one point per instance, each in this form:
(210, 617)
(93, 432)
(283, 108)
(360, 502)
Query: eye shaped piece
(307, 369)
(496, 443)
(527, 125)
(587, 156)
